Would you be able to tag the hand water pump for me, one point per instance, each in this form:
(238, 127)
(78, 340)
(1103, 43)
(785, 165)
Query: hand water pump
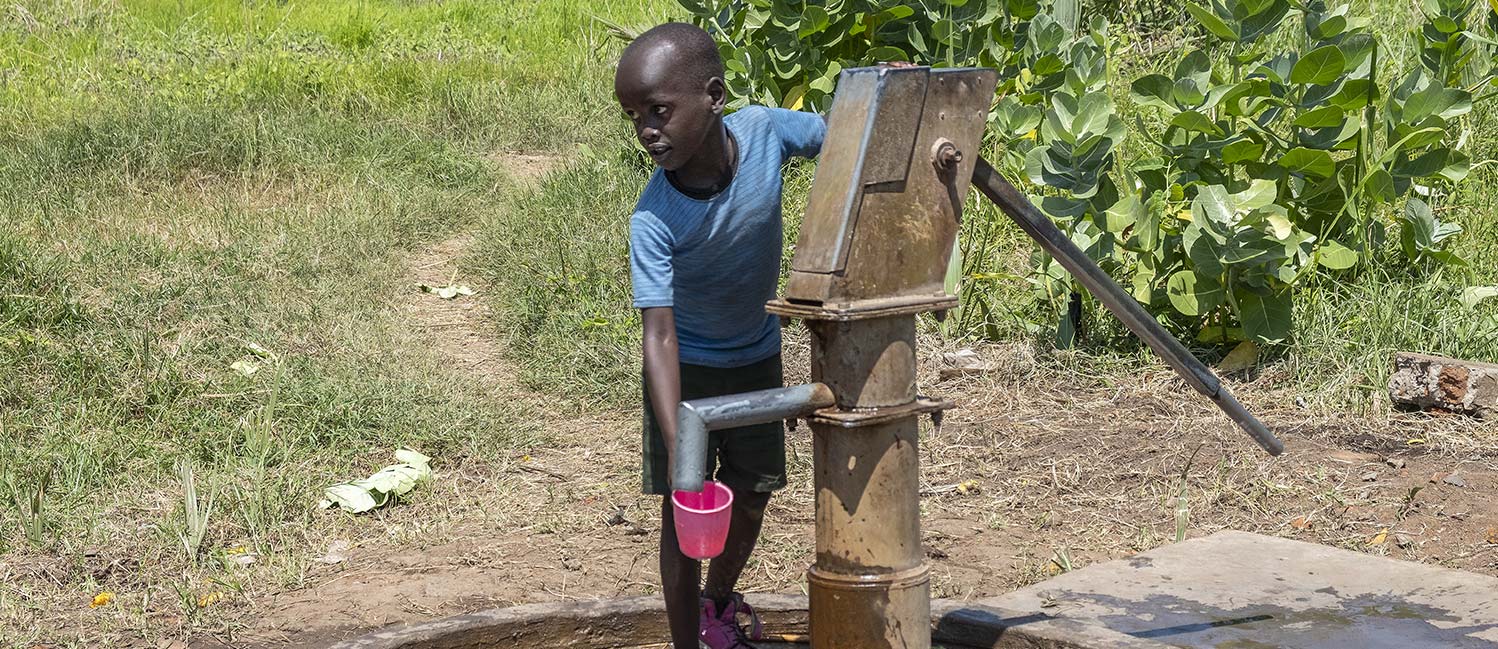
(885, 207)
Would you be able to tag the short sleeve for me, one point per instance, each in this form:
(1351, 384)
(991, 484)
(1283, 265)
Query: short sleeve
(800, 133)
(650, 261)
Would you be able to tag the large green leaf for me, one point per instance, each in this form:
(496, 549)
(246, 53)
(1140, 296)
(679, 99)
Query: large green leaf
(1187, 93)
(1194, 295)
(1216, 26)
(1446, 103)
(1124, 213)
(1196, 122)
(1265, 317)
(1336, 256)
(1320, 66)
(1322, 117)
(1417, 228)
(1213, 203)
(1154, 90)
(1203, 250)
(1260, 194)
(1242, 151)
(1310, 162)
(814, 19)
(1380, 186)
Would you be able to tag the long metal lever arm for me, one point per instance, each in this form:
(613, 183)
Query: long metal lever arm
(695, 418)
(1054, 241)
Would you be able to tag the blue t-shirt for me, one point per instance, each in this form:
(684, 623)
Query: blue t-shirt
(716, 261)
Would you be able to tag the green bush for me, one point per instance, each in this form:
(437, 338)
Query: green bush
(1291, 164)
(1268, 164)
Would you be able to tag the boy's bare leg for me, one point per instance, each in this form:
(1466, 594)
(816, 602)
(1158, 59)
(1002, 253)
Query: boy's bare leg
(680, 576)
(743, 533)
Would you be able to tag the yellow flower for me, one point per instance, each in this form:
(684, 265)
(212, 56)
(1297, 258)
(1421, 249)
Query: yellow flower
(102, 599)
(210, 599)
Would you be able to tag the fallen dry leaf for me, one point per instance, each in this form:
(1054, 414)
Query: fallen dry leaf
(1378, 539)
(1301, 522)
(1493, 535)
(102, 599)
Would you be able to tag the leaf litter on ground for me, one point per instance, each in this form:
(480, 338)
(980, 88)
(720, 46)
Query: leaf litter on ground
(385, 485)
(448, 292)
(247, 367)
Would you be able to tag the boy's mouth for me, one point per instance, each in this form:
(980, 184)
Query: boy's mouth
(658, 150)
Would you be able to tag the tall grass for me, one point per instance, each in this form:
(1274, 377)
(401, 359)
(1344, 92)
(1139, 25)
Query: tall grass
(182, 178)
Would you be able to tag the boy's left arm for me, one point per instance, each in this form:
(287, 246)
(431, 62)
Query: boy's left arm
(801, 133)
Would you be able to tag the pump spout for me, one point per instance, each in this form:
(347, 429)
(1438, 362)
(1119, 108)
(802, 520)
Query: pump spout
(694, 419)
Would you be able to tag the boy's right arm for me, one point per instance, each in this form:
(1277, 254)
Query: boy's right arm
(663, 373)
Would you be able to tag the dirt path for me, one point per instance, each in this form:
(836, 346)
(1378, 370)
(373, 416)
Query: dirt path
(542, 526)
(1038, 472)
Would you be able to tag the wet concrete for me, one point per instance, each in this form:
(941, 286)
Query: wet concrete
(1235, 590)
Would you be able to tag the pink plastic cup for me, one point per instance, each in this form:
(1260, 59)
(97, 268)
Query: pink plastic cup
(702, 519)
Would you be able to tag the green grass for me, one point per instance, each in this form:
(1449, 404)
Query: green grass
(181, 179)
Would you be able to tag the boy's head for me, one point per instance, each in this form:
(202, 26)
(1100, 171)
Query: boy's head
(670, 85)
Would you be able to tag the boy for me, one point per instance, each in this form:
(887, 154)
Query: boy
(705, 251)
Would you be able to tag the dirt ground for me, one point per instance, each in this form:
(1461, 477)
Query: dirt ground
(1036, 473)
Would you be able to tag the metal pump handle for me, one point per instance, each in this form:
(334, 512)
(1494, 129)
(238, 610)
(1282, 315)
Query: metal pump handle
(1054, 241)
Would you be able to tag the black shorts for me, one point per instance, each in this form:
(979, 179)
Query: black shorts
(748, 459)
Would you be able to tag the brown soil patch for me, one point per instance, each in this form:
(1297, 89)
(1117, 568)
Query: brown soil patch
(1052, 473)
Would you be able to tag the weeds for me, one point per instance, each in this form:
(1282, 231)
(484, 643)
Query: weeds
(1183, 509)
(195, 514)
(31, 504)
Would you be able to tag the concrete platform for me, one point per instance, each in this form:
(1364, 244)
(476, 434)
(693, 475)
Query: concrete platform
(1235, 590)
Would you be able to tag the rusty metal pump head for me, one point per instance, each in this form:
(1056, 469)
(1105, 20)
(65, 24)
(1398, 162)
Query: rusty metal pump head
(885, 204)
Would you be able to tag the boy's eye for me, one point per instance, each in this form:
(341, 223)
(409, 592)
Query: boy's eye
(659, 110)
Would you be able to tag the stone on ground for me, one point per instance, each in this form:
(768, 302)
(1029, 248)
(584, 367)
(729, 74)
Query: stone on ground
(1235, 589)
(1427, 382)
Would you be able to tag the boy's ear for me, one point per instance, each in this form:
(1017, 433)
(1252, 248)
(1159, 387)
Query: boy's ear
(717, 92)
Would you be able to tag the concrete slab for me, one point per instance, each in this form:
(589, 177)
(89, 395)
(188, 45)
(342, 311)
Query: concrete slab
(1235, 590)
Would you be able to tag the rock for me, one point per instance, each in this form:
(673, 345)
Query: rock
(615, 517)
(337, 553)
(1455, 480)
(1395, 462)
(1424, 382)
(964, 362)
(1370, 476)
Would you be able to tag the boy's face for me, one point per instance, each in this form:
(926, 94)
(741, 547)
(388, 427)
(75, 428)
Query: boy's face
(672, 114)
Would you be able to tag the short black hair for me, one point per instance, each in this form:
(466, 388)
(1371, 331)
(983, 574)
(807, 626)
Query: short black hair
(697, 54)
